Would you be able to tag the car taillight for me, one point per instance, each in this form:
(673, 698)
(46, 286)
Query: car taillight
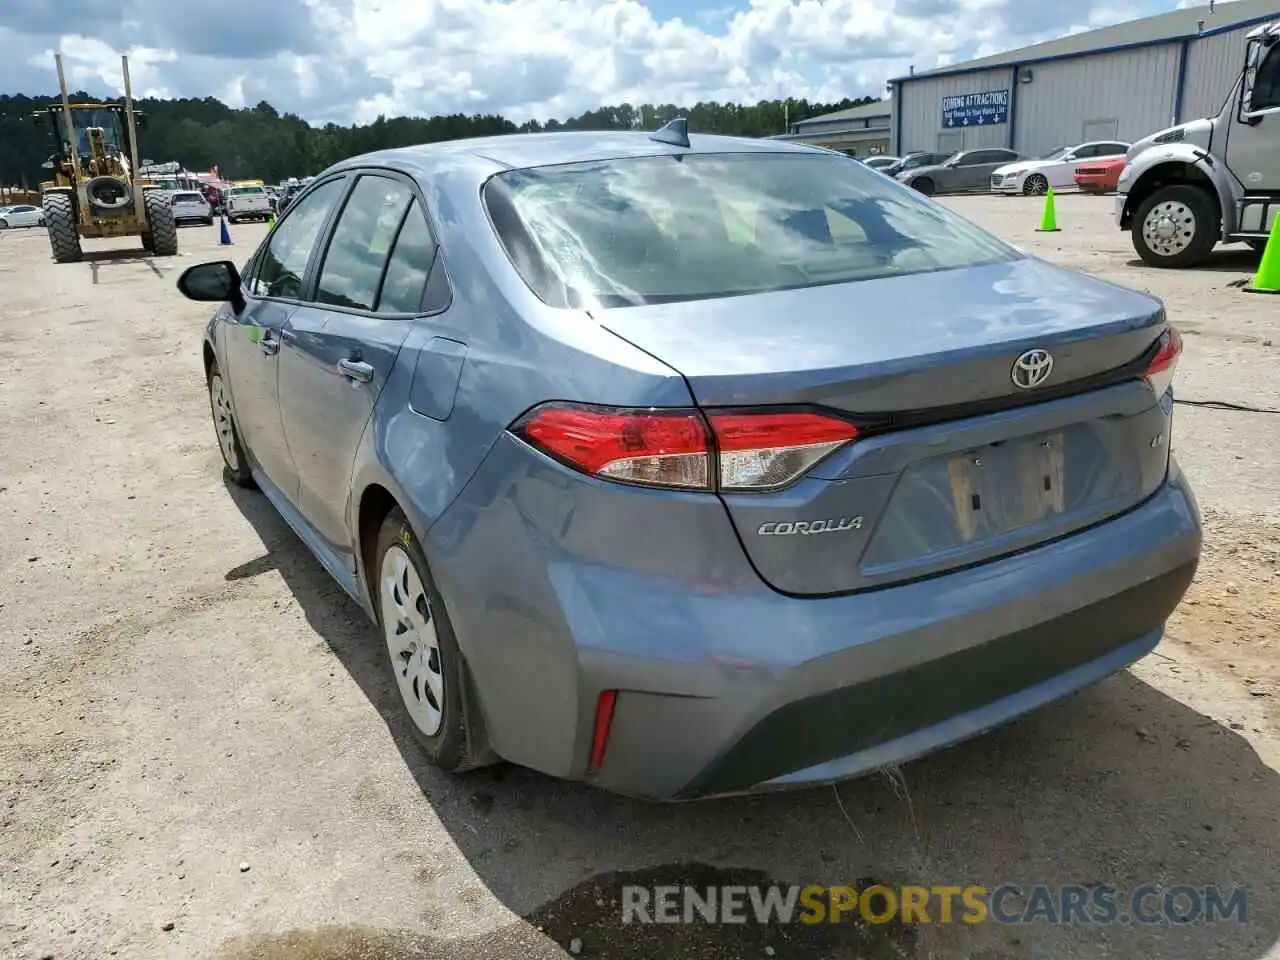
(1160, 370)
(682, 449)
(763, 451)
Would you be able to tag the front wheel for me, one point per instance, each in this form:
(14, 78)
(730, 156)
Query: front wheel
(224, 424)
(1176, 226)
(422, 653)
(924, 185)
(4, 224)
(161, 226)
(1036, 185)
(60, 218)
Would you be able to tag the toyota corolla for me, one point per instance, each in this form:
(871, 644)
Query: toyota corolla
(690, 465)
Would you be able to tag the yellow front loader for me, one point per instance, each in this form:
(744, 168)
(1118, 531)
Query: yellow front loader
(95, 190)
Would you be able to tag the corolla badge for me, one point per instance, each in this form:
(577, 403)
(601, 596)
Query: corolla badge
(790, 528)
(1032, 369)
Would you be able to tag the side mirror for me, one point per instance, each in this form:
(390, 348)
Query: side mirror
(217, 282)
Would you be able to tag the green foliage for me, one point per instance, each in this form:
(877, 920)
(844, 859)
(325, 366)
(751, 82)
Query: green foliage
(262, 143)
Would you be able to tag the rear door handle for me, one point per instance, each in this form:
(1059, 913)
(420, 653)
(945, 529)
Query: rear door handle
(355, 370)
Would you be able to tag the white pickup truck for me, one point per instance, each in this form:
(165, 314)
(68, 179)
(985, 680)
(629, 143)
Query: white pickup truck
(246, 203)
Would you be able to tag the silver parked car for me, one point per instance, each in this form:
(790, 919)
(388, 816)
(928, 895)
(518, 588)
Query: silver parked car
(21, 215)
(190, 205)
(963, 171)
(742, 472)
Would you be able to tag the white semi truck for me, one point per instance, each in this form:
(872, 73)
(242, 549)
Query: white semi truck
(1190, 187)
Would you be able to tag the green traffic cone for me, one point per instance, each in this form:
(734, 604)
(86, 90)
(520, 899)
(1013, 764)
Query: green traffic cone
(1049, 220)
(1268, 278)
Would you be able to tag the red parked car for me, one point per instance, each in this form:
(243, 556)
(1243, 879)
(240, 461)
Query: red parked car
(1100, 177)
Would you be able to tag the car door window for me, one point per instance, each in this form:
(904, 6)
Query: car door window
(410, 265)
(361, 244)
(1112, 150)
(1085, 152)
(282, 264)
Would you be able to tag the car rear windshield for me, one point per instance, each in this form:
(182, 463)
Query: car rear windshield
(187, 198)
(664, 229)
(244, 191)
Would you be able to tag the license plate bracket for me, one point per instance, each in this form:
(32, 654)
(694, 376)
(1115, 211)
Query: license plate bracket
(1004, 486)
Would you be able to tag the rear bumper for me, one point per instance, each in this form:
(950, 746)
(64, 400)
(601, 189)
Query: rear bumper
(727, 686)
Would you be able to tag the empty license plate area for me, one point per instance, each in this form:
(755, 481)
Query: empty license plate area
(980, 502)
(1004, 486)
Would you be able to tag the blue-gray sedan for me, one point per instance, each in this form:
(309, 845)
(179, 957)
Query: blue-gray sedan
(690, 465)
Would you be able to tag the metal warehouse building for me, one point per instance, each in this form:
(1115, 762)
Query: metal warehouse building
(1118, 83)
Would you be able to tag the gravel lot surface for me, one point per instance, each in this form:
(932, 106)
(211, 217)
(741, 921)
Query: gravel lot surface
(199, 756)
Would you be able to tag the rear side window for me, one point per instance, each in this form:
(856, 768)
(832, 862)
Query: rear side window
(664, 229)
(361, 244)
(409, 266)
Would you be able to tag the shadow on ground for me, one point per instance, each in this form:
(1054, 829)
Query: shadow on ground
(1236, 258)
(1119, 785)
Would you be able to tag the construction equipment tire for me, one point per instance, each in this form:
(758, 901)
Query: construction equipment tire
(161, 225)
(60, 221)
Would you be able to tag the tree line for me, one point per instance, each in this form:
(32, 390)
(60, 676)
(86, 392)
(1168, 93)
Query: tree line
(262, 143)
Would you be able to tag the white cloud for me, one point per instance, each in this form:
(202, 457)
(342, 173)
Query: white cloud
(350, 60)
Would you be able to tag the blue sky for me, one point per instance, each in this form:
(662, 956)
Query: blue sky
(349, 60)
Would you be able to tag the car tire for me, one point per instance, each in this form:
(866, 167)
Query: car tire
(1036, 185)
(924, 185)
(208, 221)
(1192, 217)
(4, 224)
(421, 650)
(1258, 245)
(235, 463)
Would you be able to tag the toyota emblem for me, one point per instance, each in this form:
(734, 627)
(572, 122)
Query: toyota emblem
(1032, 369)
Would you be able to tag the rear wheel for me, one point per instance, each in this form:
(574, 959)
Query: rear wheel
(422, 653)
(1036, 185)
(162, 226)
(924, 185)
(1176, 226)
(60, 221)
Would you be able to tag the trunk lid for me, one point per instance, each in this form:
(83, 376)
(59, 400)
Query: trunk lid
(955, 463)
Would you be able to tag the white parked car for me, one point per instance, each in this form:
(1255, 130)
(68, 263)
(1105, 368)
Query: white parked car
(189, 205)
(1055, 169)
(21, 215)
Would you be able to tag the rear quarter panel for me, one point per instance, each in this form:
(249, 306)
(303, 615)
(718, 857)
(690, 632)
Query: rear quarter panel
(516, 353)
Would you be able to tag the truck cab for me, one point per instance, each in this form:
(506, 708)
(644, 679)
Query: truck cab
(1217, 180)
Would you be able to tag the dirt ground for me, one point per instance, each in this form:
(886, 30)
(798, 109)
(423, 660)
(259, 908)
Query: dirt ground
(199, 757)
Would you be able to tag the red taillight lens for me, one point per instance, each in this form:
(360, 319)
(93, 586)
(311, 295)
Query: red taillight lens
(762, 451)
(1162, 366)
(674, 448)
(666, 448)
